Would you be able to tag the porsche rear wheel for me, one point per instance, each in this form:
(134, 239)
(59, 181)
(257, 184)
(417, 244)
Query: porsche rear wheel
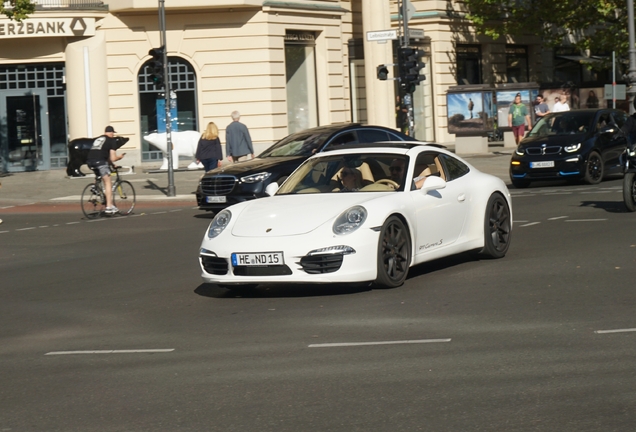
(497, 227)
(394, 253)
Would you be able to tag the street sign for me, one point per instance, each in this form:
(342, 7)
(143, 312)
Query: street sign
(410, 10)
(621, 91)
(415, 33)
(381, 35)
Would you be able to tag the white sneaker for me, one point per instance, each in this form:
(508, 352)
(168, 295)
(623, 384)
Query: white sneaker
(111, 210)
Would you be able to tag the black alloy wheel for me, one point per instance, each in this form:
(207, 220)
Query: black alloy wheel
(497, 227)
(629, 191)
(394, 253)
(594, 169)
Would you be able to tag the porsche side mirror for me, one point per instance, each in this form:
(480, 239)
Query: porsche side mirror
(433, 183)
(271, 189)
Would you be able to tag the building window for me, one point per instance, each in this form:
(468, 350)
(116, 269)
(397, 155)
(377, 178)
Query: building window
(468, 64)
(517, 63)
(152, 103)
(300, 72)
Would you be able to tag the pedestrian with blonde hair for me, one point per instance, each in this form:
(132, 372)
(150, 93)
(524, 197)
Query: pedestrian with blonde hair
(209, 151)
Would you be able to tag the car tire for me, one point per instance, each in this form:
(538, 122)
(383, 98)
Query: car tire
(520, 184)
(629, 191)
(594, 169)
(497, 227)
(394, 254)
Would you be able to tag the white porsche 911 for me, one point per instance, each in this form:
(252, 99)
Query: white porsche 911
(360, 213)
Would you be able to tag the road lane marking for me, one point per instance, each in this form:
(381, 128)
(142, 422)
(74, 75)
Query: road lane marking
(71, 223)
(616, 331)
(530, 224)
(349, 344)
(585, 220)
(137, 351)
(559, 193)
(558, 217)
(26, 229)
(43, 226)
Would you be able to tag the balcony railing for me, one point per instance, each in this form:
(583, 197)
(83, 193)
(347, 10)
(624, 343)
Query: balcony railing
(69, 4)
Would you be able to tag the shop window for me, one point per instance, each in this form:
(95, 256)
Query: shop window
(468, 64)
(152, 102)
(517, 63)
(300, 72)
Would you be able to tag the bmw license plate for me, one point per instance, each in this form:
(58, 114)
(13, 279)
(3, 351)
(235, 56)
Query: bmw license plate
(544, 164)
(257, 259)
(216, 199)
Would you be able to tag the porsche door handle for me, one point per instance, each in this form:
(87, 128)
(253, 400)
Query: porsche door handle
(461, 197)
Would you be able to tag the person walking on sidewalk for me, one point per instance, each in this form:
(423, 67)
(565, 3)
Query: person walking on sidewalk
(100, 157)
(209, 151)
(238, 143)
(517, 117)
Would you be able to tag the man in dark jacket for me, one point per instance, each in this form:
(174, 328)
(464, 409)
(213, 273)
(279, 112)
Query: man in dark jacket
(238, 143)
(100, 157)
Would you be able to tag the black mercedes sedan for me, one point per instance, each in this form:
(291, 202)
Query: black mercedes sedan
(234, 183)
(572, 145)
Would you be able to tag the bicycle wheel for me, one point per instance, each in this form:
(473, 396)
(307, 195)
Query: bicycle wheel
(124, 197)
(93, 201)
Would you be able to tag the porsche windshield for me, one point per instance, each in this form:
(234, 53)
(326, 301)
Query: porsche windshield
(568, 123)
(304, 143)
(348, 173)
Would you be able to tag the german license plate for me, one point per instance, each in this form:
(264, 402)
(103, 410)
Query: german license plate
(216, 199)
(257, 259)
(544, 164)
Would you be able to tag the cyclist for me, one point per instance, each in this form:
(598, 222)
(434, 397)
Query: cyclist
(100, 157)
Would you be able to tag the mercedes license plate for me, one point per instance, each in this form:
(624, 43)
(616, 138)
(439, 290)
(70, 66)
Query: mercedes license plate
(544, 164)
(257, 259)
(216, 199)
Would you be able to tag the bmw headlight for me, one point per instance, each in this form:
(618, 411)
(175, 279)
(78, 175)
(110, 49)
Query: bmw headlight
(519, 152)
(219, 223)
(255, 178)
(350, 220)
(572, 147)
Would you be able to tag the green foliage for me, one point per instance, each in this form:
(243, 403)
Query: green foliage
(17, 9)
(596, 25)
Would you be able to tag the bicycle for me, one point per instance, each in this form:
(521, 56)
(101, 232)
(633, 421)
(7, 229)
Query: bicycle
(94, 200)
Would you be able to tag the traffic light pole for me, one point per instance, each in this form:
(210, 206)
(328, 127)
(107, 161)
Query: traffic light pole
(407, 97)
(171, 191)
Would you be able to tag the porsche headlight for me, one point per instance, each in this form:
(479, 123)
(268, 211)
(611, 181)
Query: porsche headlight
(255, 178)
(350, 220)
(219, 223)
(572, 147)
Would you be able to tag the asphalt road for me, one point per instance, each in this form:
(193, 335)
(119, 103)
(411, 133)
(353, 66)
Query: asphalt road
(541, 340)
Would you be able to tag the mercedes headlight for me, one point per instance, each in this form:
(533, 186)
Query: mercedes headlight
(255, 178)
(219, 223)
(350, 220)
(572, 147)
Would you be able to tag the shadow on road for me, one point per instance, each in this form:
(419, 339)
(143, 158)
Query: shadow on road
(608, 206)
(282, 291)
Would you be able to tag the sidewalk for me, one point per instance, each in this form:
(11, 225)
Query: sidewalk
(54, 186)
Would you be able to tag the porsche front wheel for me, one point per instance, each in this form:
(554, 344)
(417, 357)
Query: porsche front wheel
(394, 253)
(497, 227)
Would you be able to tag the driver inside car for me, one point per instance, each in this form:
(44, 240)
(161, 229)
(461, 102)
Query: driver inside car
(397, 170)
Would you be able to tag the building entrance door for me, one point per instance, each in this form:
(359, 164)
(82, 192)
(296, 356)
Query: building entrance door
(25, 144)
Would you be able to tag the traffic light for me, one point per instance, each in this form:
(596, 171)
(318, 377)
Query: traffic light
(156, 67)
(383, 72)
(410, 62)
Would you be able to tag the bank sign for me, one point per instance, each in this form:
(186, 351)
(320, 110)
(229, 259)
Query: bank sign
(47, 27)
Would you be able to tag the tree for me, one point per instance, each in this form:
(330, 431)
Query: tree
(17, 9)
(599, 26)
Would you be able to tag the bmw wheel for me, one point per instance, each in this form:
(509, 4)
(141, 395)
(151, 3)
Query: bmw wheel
(497, 227)
(394, 253)
(629, 191)
(594, 169)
